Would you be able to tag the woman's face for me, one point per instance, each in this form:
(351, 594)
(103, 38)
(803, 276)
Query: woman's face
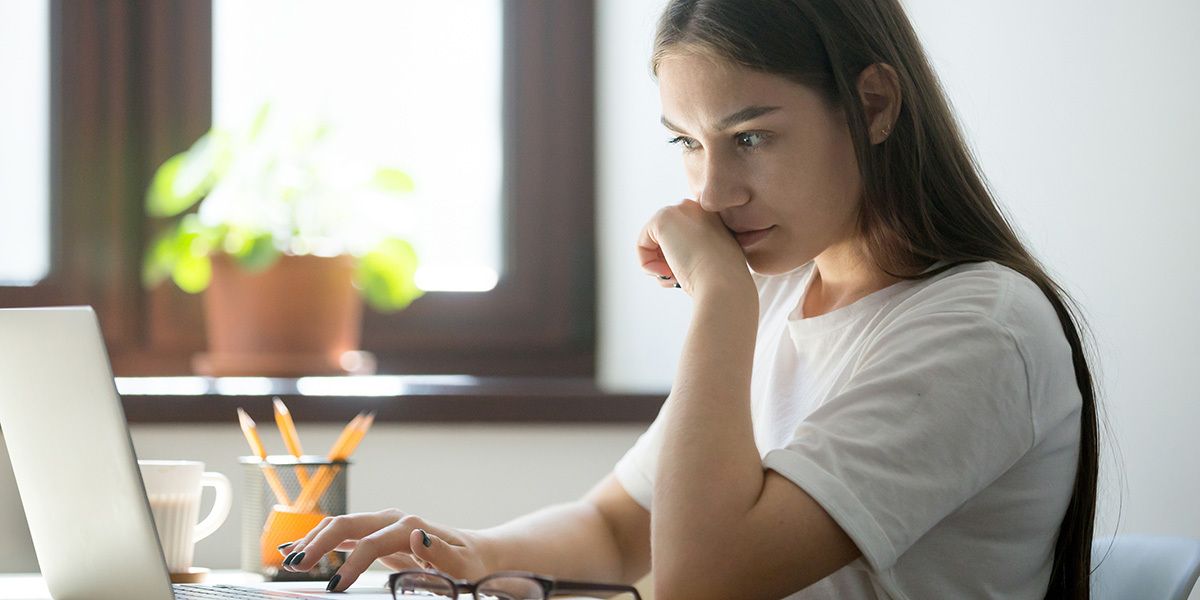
(766, 155)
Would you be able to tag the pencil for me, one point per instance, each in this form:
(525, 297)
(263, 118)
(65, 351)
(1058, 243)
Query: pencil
(291, 438)
(352, 435)
(358, 436)
(256, 446)
(344, 438)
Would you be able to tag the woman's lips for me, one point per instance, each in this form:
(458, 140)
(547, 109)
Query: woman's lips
(746, 239)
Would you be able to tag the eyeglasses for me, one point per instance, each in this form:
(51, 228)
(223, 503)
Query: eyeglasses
(505, 585)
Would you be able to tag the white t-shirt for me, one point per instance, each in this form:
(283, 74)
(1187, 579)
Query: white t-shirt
(936, 421)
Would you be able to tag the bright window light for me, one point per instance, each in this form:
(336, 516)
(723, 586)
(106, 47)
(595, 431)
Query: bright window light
(415, 84)
(377, 385)
(244, 386)
(24, 142)
(162, 386)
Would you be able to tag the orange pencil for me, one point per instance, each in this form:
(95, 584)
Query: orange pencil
(256, 446)
(307, 498)
(352, 436)
(291, 438)
(347, 432)
(358, 436)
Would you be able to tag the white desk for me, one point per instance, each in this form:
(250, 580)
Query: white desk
(368, 587)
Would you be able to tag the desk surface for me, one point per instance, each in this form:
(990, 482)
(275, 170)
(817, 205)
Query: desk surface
(368, 586)
(32, 587)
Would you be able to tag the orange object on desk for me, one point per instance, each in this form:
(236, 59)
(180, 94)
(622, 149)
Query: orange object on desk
(351, 436)
(285, 524)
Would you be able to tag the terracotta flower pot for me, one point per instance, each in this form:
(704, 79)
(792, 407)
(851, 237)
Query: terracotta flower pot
(302, 316)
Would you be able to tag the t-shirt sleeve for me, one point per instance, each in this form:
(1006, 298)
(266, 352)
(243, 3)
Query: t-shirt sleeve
(635, 471)
(938, 407)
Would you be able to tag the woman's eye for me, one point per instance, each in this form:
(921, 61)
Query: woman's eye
(687, 143)
(750, 139)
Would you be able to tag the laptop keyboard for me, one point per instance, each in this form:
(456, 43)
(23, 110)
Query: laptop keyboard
(227, 592)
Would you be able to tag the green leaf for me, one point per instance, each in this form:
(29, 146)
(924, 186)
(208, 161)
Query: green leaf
(159, 260)
(182, 253)
(192, 273)
(161, 200)
(260, 121)
(197, 238)
(187, 177)
(393, 180)
(259, 254)
(386, 275)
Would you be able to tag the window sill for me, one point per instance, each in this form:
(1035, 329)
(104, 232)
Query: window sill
(399, 398)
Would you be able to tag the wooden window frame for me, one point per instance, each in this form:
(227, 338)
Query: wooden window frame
(131, 84)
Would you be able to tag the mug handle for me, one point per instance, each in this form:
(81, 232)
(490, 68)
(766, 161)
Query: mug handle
(221, 504)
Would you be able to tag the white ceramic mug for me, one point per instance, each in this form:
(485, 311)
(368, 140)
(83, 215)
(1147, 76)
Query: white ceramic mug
(173, 488)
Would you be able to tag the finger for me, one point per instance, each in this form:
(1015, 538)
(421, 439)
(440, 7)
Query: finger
(401, 561)
(333, 532)
(431, 548)
(658, 267)
(653, 261)
(345, 546)
(293, 549)
(390, 540)
(451, 535)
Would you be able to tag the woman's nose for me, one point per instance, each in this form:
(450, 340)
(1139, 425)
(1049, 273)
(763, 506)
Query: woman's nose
(720, 188)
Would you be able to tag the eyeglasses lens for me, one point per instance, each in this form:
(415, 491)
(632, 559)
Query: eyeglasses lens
(423, 585)
(510, 588)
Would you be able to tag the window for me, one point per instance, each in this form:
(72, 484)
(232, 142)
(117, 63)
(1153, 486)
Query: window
(411, 84)
(131, 84)
(24, 147)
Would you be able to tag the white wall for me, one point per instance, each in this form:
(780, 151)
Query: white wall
(1087, 128)
(422, 469)
(1083, 117)
(641, 324)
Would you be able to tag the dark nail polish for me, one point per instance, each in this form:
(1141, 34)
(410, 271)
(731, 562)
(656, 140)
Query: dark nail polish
(296, 561)
(284, 545)
(333, 581)
(289, 559)
(677, 286)
(425, 539)
(283, 548)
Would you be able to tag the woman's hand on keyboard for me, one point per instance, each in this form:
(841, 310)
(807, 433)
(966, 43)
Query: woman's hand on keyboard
(398, 540)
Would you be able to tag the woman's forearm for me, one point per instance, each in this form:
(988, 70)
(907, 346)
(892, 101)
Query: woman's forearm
(569, 541)
(709, 471)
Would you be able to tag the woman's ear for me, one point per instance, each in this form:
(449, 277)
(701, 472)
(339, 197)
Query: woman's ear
(879, 93)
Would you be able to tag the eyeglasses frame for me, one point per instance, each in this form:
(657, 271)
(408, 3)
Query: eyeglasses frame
(550, 585)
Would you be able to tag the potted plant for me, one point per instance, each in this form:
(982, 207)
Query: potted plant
(280, 229)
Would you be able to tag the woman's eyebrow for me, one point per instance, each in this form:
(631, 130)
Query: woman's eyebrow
(741, 116)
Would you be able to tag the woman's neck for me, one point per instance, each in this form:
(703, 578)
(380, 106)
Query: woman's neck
(842, 275)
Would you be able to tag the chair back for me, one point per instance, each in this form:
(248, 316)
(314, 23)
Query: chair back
(1144, 567)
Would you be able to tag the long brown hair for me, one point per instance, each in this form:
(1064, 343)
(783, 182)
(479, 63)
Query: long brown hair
(924, 199)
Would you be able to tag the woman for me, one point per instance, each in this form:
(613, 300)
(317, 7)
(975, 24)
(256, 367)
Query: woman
(881, 394)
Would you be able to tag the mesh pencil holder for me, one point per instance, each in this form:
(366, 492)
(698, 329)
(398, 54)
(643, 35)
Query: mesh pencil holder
(312, 488)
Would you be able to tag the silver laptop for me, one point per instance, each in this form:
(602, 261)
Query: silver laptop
(75, 467)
